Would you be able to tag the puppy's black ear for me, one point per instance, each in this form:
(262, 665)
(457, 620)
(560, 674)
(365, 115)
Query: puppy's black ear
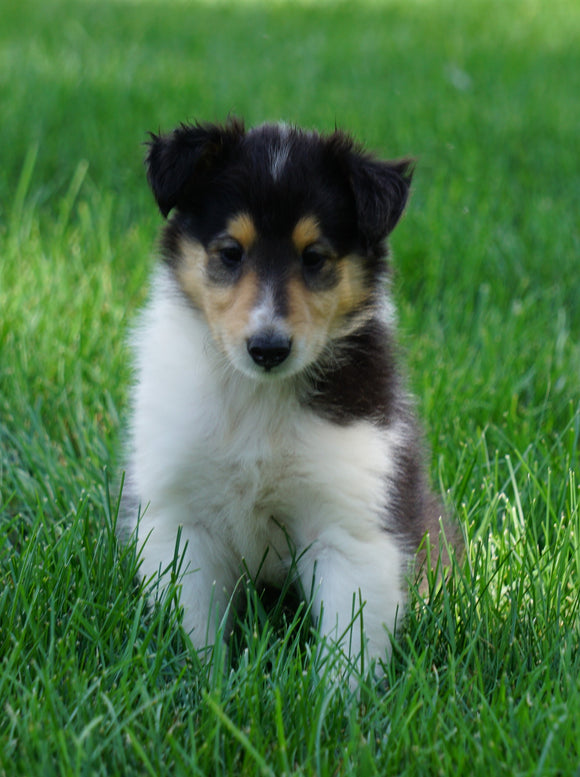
(178, 163)
(380, 189)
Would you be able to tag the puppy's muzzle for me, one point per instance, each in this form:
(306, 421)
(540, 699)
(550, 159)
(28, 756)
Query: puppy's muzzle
(269, 349)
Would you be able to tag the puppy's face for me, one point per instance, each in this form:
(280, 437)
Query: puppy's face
(276, 237)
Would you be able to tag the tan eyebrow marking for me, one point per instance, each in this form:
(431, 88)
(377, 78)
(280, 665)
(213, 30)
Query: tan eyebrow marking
(242, 229)
(306, 232)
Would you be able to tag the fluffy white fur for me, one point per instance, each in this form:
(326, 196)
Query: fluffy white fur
(252, 479)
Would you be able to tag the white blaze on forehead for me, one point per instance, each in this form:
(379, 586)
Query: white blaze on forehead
(279, 152)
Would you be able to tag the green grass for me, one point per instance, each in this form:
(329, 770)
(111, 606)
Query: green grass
(485, 672)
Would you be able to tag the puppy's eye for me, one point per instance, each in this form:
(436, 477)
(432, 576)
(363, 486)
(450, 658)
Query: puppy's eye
(314, 257)
(231, 254)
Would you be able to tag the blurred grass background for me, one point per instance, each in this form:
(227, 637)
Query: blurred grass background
(485, 94)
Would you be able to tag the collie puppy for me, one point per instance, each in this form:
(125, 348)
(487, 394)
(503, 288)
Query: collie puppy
(271, 430)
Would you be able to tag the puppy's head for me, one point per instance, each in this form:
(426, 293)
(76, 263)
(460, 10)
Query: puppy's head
(277, 236)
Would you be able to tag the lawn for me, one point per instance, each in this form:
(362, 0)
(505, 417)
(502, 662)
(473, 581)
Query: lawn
(485, 673)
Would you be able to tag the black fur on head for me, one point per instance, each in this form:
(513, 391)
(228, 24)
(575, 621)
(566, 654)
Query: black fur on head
(190, 152)
(183, 164)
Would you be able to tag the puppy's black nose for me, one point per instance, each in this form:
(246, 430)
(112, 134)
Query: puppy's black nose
(269, 349)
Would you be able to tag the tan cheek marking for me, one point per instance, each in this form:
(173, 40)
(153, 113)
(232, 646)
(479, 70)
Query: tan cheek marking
(191, 269)
(228, 309)
(314, 315)
(242, 229)
(306, 231)
(310, 313)
(351, 291)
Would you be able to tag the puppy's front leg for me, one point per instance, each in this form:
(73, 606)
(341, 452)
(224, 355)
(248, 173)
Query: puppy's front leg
(204, 575)
(356, 587)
